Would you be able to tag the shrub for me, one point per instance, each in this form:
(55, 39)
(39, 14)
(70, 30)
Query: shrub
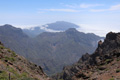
(13, 54)
(2, 47)
(118, 59)
(108, 61)
(118, 70)
(10, 59)
(9, 50)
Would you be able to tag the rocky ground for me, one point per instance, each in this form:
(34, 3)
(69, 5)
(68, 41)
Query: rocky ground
(105, 71)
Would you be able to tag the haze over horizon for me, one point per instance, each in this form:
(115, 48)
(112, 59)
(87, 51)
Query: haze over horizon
(96, 16)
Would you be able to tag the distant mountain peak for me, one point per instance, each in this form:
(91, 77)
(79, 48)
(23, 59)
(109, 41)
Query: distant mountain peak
(57, 26)
(6, 25)
(71, 30)
(62, 25)
(8, 29)
(62, 22)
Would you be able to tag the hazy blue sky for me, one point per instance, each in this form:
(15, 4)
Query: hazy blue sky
(98, 16)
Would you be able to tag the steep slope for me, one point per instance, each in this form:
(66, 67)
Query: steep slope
(52, 51)
(103, 64)
(16, 67)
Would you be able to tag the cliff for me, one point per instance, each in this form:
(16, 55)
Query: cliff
(103, 64)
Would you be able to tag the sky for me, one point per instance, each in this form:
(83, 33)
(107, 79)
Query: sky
(96, 16)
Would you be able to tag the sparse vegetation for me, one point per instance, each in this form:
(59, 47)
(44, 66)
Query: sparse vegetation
(10, 58)
(9, 50)
(112, 79)
(118, 59)
(13, 54)
(12, 66)
(61, 79)
(3, 75)
(2, 47)
(108, 61)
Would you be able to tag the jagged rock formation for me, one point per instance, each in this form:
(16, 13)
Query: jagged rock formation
(103, 64)
(17, 67)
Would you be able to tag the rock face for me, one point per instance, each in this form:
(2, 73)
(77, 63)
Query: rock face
(17, 67)
(103, 64)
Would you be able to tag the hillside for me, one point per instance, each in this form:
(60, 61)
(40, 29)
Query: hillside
(64, 48)
(103, 64)
(17, 67)
(52, 51)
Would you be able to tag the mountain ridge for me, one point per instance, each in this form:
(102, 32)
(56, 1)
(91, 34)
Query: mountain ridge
(103, 64)
(47, 48)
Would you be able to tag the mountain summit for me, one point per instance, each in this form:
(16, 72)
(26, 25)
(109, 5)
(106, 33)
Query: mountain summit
(51, 27)
(61, 25)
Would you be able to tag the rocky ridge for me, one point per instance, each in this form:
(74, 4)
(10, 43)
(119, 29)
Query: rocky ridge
(103, 64)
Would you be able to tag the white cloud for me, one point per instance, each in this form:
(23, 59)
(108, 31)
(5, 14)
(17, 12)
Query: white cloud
(48, 30)
(115, 7)
(83, 5)
(100, 30)
(24, 26)
(60, 10)
(112, 8)
(41, 12)
(71, 6)
(98, 10)
(89, 5)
